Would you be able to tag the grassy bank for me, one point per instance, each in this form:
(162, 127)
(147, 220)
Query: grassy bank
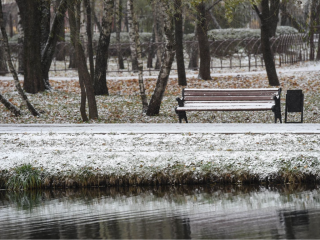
(35, 178)
(55, 160)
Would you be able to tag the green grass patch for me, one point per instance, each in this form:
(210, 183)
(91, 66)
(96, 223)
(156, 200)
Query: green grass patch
(24, 177)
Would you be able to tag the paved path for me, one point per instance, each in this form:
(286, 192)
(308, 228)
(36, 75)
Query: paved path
(227, 128)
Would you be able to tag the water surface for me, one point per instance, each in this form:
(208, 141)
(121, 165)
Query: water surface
(163, 212)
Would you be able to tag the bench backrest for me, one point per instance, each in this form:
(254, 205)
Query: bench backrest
(208, 95)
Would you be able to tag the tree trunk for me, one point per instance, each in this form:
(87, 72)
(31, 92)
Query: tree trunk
(96, 21)
(194, 52)
(312, 28)
(157, 27)
(318, 31)
(100, 82)
(118, 13)
(167, 60)
(84, 76)
(51, 42)
(89, 35)
(202, 27)
(45, 22)
(182, 80)
(136, 51)
(61, 45)
(20, 44)
(31, 16)
(12, 108)
(131, 29)
(151, 50)
(265, 44)
(274, 16)
(3, 63)
(23, 96)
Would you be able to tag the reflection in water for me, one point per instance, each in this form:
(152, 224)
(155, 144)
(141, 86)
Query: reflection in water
(162, 212)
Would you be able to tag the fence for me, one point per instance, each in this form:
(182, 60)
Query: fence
(230, 53)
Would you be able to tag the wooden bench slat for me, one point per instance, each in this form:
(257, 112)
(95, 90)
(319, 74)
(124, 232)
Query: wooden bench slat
(224, 108)
(207, 93)
(227, 98)
(230, 104)
(232, 89)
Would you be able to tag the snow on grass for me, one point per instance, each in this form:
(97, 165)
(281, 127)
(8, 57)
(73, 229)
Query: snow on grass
(177, 157)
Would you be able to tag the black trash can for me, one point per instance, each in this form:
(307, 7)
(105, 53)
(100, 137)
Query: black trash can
(294, 103)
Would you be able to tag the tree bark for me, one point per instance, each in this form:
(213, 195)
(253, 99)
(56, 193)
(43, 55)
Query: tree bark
(136, 51)
(194, 54)
(100, 83)
(312, 29)
(167, 60)
(89, 35)
(265, 43)
(12, 108)
(51, 42)
(3, 62)
(84, 76)
(45, 22)
(23, 96)
(118, 13)
(157, 27)
(182, 79)
(202, 27)
(31, 16)
(274, 16)
(318, 31)
(131, 28)
(61, 45)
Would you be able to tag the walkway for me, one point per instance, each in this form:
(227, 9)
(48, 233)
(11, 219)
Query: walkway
(172, 128)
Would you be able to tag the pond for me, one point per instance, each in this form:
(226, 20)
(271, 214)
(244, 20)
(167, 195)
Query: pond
(210, 211)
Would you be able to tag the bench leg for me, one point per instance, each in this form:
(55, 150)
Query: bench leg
(182, 115)
(277, 110)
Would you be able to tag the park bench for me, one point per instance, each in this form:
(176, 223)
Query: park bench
(259, 99)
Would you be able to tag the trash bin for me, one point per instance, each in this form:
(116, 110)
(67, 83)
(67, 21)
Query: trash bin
(294, 103)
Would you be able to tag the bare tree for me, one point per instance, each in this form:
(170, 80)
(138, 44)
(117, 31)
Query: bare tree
(89, 35)
(166, 62)
(136, 51)
(51, 40)
(23, 96)
(87, 90)
(30, 12)
(100, 84)
(264, 16)
(202, 28)
(12, 108)
(118, 14)
(157, 28)
(182, 79)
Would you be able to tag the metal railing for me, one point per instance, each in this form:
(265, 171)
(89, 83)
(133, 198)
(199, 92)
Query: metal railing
(229, 53)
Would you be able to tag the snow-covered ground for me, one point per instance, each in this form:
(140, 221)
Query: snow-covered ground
(108, 151)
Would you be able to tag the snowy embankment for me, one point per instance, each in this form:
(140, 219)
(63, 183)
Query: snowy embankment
(91, 159)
